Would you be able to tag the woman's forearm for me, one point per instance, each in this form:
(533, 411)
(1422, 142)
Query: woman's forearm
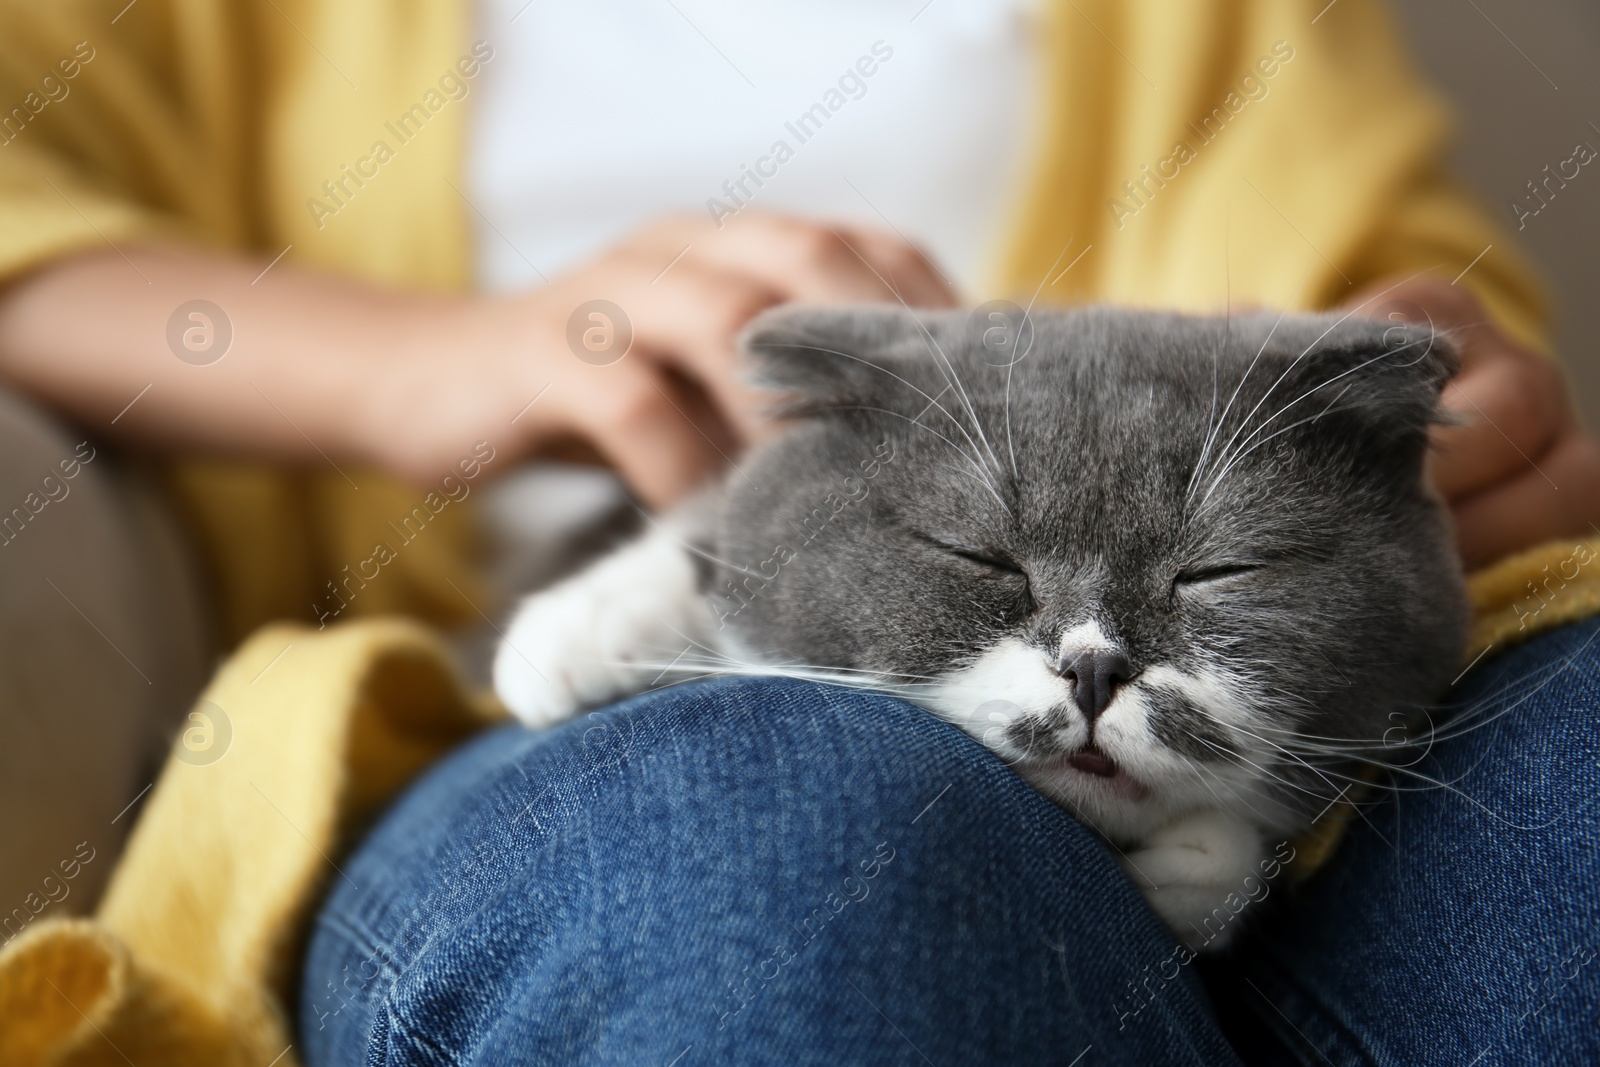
(284, 364)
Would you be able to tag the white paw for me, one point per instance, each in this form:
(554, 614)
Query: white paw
(603, 634)
(1198, 873)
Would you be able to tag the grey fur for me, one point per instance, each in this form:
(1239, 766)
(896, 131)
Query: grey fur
(1080, 464)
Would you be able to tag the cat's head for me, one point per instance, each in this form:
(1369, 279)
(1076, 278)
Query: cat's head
(1155, 562)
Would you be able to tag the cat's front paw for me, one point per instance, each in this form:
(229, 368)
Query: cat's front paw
(606, 633)
(1190, 868)
(548, 665)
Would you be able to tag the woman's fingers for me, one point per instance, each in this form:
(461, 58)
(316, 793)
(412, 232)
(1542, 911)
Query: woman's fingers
(675, 403)
(907, 270)
(689, 320)
(809, 262)
(636, 421)
(1510, 408)
(670, 408)
(1556, 495)
(1421, 299)
(704, 284)
(1515, 468)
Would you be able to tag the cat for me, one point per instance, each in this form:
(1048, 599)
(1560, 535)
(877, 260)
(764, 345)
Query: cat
(1182, 573)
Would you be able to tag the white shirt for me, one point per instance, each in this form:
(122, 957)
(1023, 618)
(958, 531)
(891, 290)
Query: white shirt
(596, 116)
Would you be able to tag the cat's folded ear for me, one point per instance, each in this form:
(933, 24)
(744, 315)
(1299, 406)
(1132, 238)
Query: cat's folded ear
(1385, 377)
(824, 359)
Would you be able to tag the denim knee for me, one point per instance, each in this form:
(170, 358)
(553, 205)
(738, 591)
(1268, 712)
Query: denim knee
(706, 865)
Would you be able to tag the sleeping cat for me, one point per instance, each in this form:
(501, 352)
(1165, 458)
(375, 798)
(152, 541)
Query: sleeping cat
(1183, 574)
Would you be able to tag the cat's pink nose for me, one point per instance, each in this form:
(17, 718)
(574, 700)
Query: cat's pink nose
(1094, 674)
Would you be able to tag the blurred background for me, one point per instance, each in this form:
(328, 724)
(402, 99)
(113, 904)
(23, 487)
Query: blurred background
(1525, 78)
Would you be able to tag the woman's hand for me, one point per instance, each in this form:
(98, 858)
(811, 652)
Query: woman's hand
(652, 379)
(1516, 469)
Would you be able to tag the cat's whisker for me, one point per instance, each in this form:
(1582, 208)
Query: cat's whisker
(986, 485)
(948, 368)
(933, 401)
(1288, 370)
(1216, 428)
(1010, 445)
(714, 659)
(1241, 758)
(1332, 406)
(1369, 781)
(1222, 422)
(690, 547)
(1241, 451)
(1211, 422)
(1515, 692)
(1458, 723)
(954, 378)
(1322, 774)
(1432, 782)
(983, 477)
(1224, 803)
(737, 669)
(1234, 798)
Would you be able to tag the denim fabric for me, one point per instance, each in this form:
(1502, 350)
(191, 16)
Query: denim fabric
(763, 871)
(1460, 922)
(748, 872)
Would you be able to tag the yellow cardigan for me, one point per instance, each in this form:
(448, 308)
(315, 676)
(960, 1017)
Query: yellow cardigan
(1188, 153)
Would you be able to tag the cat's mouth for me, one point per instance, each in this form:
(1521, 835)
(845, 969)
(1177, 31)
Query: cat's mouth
(1090, 762)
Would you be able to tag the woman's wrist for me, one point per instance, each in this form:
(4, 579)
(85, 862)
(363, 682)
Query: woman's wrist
(444, 378)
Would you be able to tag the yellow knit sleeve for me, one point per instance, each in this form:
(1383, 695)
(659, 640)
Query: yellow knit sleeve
(110, 132)
(49, 209)
(1273, 152)
(1420, 218)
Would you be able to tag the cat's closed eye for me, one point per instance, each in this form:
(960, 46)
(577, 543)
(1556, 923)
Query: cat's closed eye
(991, 561)
(984, 562)
(1215, 577)
(1218, 573)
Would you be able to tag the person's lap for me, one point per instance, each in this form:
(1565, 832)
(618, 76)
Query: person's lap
(752, 871)
(762, 870)
(1459, 921)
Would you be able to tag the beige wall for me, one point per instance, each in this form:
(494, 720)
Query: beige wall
(1514, 121)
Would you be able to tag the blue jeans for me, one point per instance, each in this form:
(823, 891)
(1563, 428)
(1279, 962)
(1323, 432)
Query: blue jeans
(766, 871)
